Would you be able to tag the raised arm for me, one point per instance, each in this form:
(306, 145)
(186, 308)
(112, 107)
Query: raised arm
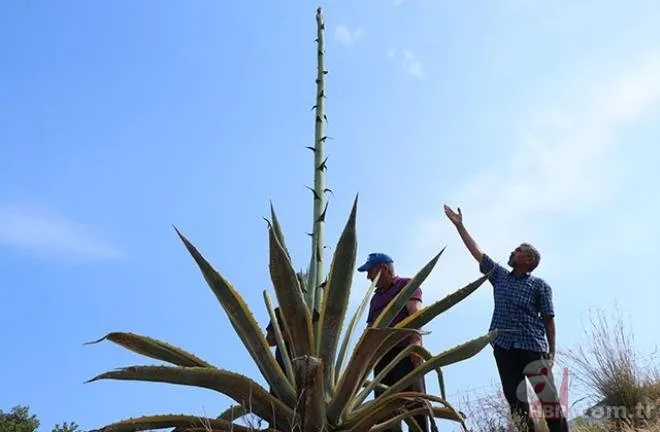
(457, 220)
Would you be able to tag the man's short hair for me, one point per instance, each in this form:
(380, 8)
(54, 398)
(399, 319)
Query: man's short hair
(534, 253)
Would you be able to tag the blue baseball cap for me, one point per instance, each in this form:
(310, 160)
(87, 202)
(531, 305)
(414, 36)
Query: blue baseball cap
(373, 260)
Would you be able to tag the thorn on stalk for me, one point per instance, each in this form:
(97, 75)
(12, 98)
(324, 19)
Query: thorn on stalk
(326, 138)
(324, 165)
(318, 119)
(313, 108)
(311, 148)
(328, 190)
(316, 196)
(322, 215)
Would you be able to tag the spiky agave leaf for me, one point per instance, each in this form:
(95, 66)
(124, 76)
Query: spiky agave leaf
(450, 356)
(288, 367)
(371, 346)
(336, 295)
(277, 228)
(427, 314)
(431, 411)
(181, 422)
(407, 351)
(394, 307)
(388, 406)
(351, 326)
(230, 415)
(244, 324)
(153, 348)
(240, 388)
(296, 316)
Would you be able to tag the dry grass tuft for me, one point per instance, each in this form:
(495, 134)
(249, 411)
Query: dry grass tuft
(623, 387)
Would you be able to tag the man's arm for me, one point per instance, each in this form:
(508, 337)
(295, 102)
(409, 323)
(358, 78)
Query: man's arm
(413, 306)
(470, 244)
(550, 332)
(547, 311)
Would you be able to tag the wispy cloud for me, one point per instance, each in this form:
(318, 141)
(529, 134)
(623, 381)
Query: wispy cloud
(408, 60)
(42, 233)
(347, 36)
(565, 163)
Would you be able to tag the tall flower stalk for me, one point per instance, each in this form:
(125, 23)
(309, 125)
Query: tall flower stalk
(315, 273)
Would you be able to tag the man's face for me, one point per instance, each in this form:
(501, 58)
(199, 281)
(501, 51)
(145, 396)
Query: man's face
(520, 257)
(384, 278)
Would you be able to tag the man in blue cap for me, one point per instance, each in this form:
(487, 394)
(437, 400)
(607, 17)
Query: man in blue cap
(387, 288)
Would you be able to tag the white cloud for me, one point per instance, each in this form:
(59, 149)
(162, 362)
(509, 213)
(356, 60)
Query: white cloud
(41, 233)
(564, 163)
(347, 36)
(409, 61)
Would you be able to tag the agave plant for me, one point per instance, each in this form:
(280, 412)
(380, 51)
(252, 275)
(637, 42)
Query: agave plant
(319, 389)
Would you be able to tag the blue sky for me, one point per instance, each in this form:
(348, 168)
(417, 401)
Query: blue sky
(537, 118)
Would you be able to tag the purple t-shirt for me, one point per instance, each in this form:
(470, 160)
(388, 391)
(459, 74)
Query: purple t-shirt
(383, 296)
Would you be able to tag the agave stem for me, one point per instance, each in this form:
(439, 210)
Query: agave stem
(314, 290)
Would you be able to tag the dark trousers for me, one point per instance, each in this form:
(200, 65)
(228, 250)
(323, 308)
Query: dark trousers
(400, 370)
(513, 366)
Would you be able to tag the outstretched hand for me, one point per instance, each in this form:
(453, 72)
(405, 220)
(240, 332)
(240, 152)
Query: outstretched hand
(456, 218)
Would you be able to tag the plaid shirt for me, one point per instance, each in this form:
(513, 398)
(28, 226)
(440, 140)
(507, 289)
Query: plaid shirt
(520, 303)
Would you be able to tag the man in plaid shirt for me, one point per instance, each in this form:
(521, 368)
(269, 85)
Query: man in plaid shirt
(525, 312)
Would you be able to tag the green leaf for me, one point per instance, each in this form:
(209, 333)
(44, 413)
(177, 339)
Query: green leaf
(238, 387)
(351, 326)
(407, 351)
(153, 348)
(383, 410)
(394, 307)
(427, 314)
(453, 355)
(336, 296)
(244, 324)
(277, 228)
(181, 422)
(373, 344)
(296, 316)
(288, 366)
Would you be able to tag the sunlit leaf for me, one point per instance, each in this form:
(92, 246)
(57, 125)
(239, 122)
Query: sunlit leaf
(244, 324)
(336, 295)
(184, 422)
(153, 348)
(427, 314)
(296, 316)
